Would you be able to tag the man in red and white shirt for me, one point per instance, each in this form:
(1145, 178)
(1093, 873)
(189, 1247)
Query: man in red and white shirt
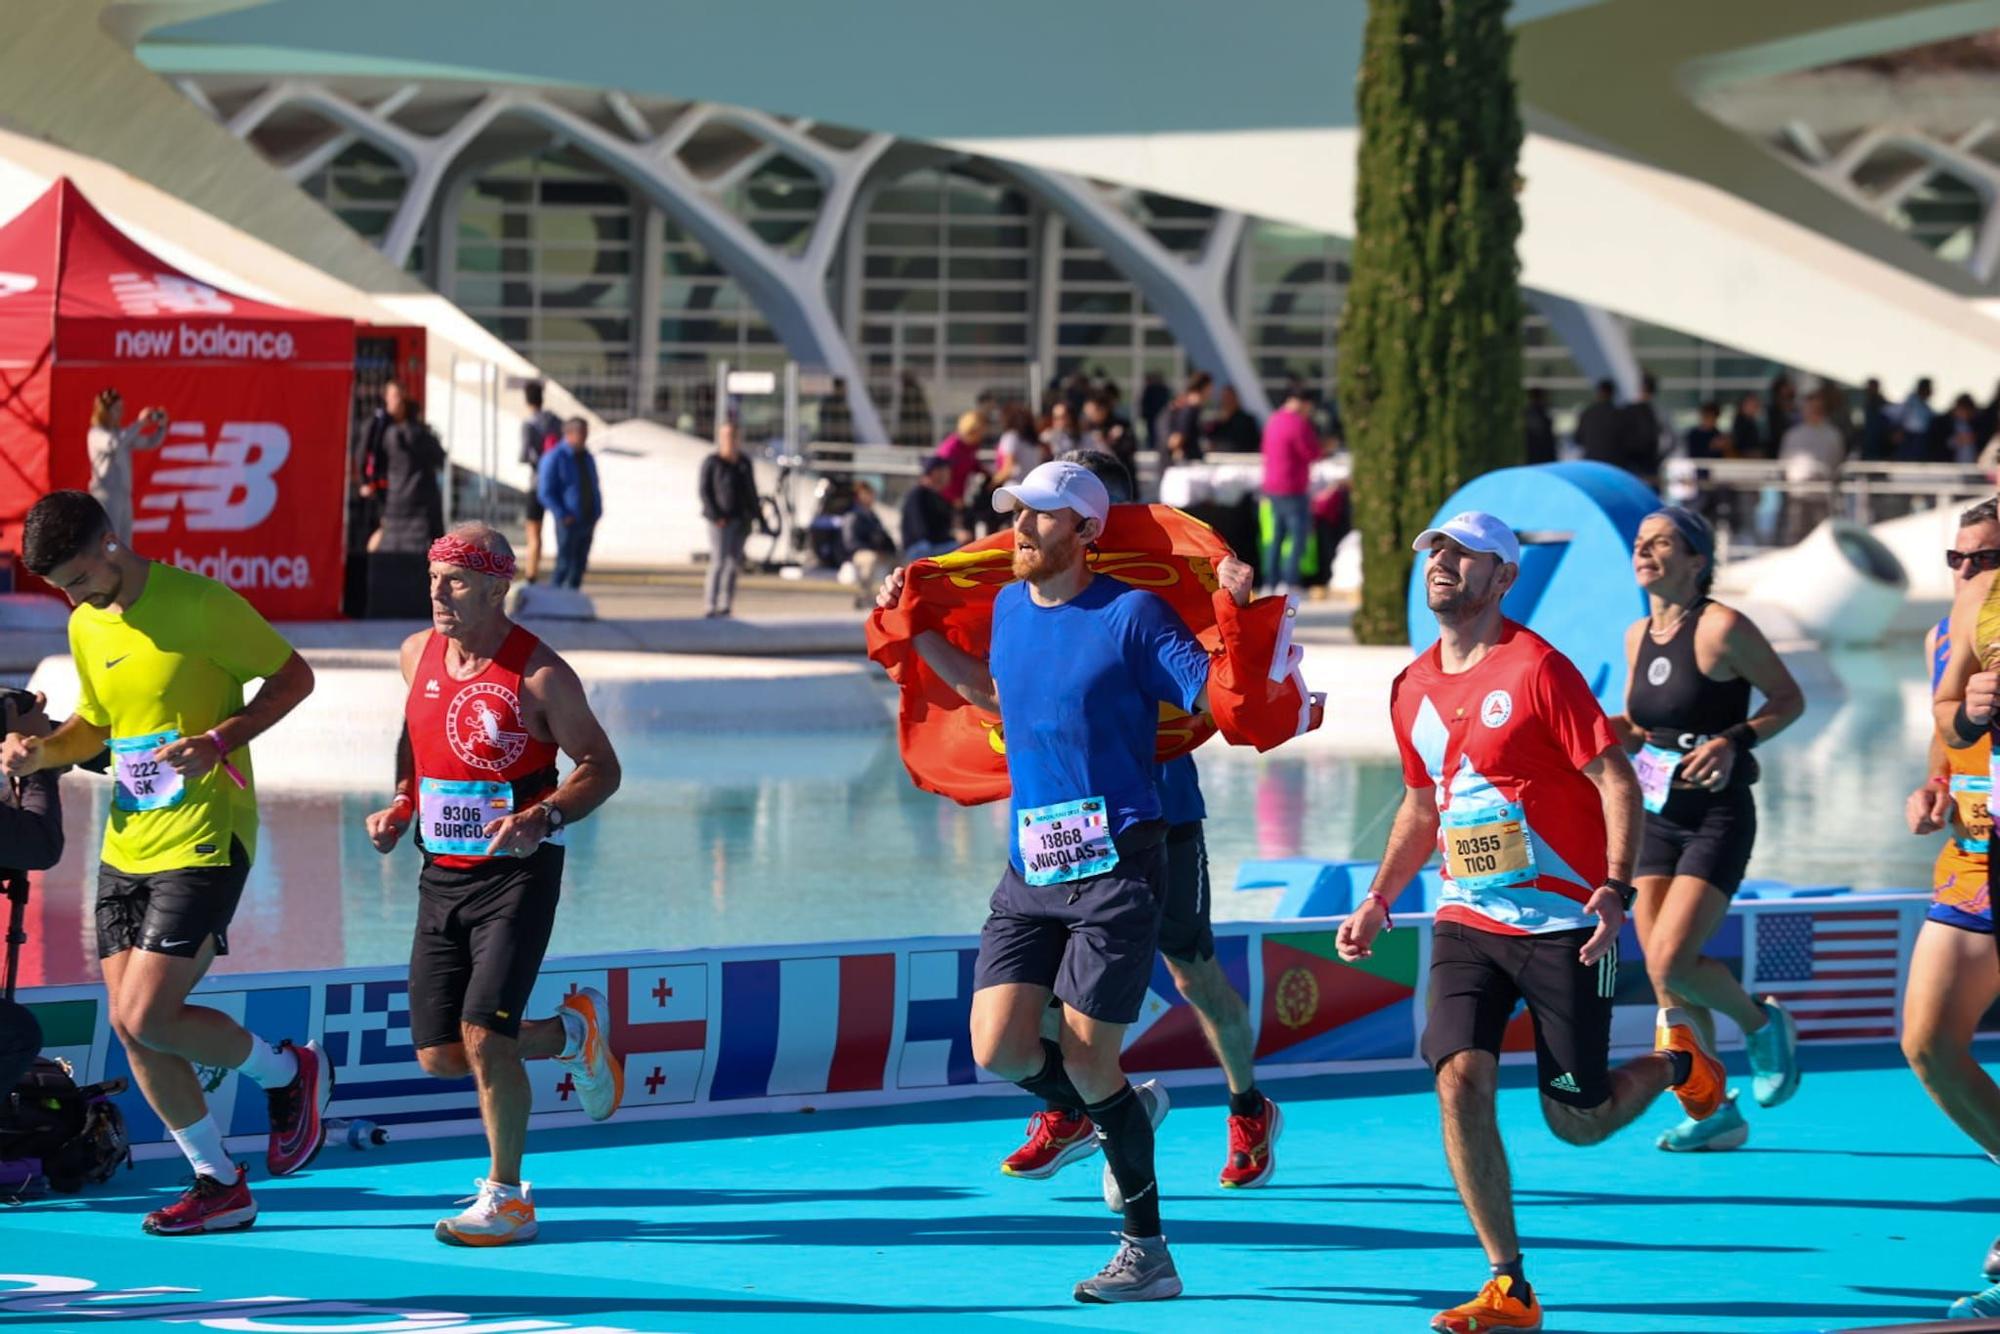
(1514, 775)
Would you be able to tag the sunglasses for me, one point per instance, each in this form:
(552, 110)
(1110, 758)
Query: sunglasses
(1980, 561)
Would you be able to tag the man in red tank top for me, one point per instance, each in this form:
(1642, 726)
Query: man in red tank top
(489, 706)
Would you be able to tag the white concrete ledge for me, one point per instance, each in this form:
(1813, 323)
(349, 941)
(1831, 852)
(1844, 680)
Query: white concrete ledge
(344, 735)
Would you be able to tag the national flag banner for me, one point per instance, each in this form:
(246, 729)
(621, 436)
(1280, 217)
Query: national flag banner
(937, 1020)
(1835, 970)
(1635, 1008)
(801, 1026)
(953, 748)
(366, 1036)
(238, 1105)
(1315, 1007)
(1167, 1034)
(658, 1025)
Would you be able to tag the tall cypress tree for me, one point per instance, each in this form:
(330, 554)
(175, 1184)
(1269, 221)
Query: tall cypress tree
(1430, 340)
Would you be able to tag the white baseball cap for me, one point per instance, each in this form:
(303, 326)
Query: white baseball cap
(1474, 530)
(1057, 486)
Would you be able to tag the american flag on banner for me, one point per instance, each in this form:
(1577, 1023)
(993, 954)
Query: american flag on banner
(1835, 971)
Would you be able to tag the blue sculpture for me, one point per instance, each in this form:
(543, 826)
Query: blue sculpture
(1576, 522)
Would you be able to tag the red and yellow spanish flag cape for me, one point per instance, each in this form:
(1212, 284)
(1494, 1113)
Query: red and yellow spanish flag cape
(1256, 695)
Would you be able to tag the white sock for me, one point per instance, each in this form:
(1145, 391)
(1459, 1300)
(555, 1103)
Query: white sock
(270, 1066)
(202, 1143)
(572, 1023)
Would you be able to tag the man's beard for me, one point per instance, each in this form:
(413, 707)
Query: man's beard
(1038, 563)
(1458, 602)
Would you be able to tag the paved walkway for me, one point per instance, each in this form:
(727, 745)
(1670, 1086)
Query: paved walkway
(1855, 1205)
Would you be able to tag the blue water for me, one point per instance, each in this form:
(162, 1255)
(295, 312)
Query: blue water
(758, 840)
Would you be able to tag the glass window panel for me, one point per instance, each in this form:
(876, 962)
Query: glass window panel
(993, 236)
(988, 268)
(963, 302)
(901, 268)
(916, 235)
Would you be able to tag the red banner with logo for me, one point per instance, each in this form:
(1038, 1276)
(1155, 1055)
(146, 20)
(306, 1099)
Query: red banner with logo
(247, 485)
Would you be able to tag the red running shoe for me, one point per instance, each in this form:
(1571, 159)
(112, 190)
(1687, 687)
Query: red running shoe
(1253, 1147)
(1055, 1140)
(298, 1111)
(206, 1206)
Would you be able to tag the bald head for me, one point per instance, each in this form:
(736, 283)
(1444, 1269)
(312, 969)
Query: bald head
(468, 603)
(484, 536)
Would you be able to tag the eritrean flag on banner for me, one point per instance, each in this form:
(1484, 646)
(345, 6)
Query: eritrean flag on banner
(950, 747)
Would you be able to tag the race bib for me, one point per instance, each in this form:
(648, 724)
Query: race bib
(1070, 840)
(453, 815)
(1972, 795)
(1487, 847)
(1655, 766)
(142, 782)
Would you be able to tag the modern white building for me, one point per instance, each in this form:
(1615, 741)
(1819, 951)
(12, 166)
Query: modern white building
(928, 203)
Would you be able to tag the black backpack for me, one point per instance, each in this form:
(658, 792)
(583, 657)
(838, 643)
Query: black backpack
(73, 1136)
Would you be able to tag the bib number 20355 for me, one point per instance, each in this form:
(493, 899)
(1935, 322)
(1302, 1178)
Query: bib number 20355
(1487, 847)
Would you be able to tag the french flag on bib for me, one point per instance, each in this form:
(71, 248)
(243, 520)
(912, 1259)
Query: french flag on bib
(799, 1026)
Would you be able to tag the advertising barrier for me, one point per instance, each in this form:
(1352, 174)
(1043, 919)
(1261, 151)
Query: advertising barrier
(706, 1032)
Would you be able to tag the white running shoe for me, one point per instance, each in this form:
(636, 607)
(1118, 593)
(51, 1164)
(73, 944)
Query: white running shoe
(1154, 1099)
(499, 1214)
(596, 1071)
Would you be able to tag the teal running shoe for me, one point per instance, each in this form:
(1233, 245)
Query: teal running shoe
(1980, 1305)
(1774, 1056)
(1725, 1130)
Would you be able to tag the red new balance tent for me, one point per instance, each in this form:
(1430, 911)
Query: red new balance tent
(248, 486)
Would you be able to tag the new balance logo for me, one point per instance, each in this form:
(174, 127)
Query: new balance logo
(1564, 1083)
(431, 688)
(229, 486)
(166, 294)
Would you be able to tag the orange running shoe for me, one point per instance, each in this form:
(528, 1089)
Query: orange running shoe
(1496, 1307)
(1702, 1091)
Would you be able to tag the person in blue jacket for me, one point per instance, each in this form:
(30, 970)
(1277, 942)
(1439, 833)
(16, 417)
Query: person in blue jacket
(567, 486)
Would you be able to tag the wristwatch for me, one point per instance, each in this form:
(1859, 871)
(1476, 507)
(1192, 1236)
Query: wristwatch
(555, 816)
(1627, 891)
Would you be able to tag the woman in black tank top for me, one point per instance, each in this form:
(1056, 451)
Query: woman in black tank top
(1693, 664)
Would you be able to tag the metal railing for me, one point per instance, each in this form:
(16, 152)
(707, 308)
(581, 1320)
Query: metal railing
(1756, 504)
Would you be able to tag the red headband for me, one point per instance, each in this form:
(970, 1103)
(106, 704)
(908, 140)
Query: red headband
(453, 550)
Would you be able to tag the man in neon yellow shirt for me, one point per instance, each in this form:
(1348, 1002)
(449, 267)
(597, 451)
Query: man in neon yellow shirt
(162, 656)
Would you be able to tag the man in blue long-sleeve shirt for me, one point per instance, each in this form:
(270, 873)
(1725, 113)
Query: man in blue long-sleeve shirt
(569, 492)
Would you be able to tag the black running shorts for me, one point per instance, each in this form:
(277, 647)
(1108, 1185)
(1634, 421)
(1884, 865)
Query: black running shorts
(481, 934)
(1186, 934)
(1091, 941)
(170, 912)
(1478, 976)
(1707, 835)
